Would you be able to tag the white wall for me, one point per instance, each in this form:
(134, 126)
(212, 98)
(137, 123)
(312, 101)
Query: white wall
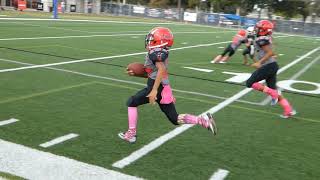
(70, 2)
(85, 6)
(3, 2)
(98, 6)
(81, 5)
(46, 5)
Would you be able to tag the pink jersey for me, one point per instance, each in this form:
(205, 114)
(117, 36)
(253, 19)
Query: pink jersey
(237, 40)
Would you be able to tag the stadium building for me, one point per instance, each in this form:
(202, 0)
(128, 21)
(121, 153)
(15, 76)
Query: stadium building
(81, 6)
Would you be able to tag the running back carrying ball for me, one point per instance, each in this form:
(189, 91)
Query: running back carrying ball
(137, 69)
(158, 89)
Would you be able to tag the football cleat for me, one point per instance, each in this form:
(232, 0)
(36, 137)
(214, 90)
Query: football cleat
(216, 59)
(129, 136)
(213, 62)
(288, 115)
(212, 124)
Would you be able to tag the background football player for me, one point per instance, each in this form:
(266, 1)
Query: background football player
(158, 90)
(249, 46)
(267, 68)
(237, 40)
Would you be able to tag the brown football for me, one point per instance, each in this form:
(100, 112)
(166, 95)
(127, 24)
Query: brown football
(137, 68)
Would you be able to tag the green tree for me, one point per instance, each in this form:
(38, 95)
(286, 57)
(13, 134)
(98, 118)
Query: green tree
(142, 2)
(159, 3)
(193, 3)
(231, 6)
(290, 9)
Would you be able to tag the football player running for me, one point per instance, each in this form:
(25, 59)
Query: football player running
(250, 46)
(158, 90)
(267, 68)
(229, 51)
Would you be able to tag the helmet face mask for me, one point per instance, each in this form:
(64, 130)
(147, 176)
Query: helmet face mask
(159, 37)
(251, 30)
(148, 40)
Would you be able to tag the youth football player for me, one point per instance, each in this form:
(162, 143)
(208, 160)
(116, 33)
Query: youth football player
(267, 68)
(158, 90)
(249, 46)
(229, 51)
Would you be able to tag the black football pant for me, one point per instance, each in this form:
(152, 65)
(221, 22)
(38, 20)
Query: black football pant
(140, 98)
(267, 72)
(247, 51)
(228, 50)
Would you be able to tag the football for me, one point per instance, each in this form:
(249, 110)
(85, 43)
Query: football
(137, 68)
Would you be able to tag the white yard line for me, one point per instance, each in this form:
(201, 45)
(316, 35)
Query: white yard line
(166, 137)
(298, 60)
(267, 100)
(115, 34)
(199, 69)
(305, 68)
(219, 175)
(283, 36)
(102, 58)
(66, 37)
(59, 140)
(9, 121)
(221, 29)
(84, 20)
(127, 82)
(150, 147)
(296, 35)
(50, 27)
(30, 163)
(118, 22)
(127, 22)
(138, 22)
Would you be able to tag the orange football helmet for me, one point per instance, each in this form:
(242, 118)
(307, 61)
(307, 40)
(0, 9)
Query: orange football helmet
(242, 33)
(159, 37)
(264, 27)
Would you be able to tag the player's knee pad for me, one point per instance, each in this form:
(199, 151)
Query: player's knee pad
(131, 102)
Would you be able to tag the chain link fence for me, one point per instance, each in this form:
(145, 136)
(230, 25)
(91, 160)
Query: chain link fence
(211, 19)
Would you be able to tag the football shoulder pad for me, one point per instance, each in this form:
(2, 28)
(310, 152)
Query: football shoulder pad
(263, 41)
(158, 55)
